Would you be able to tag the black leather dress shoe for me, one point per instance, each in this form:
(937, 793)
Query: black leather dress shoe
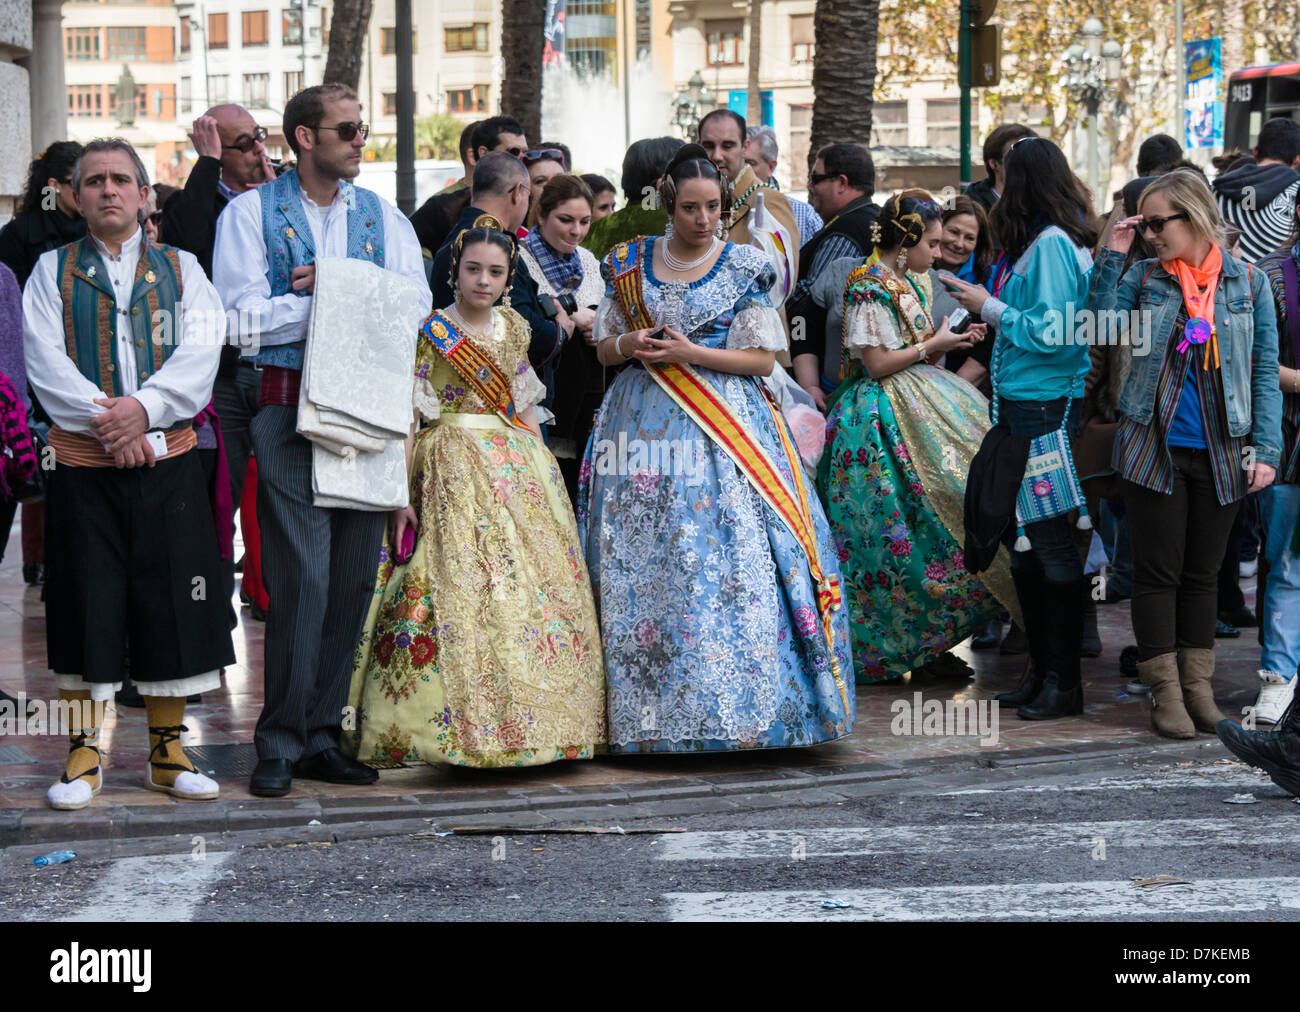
(334, 767)
(272, 778)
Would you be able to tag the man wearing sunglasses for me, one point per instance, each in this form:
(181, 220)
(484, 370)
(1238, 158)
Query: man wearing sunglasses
(232, 160)
(318, 562)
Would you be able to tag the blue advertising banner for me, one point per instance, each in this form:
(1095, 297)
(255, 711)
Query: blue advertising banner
(1204, 125)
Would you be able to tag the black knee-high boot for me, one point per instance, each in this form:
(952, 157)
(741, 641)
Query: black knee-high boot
(1062, 691)
(1029, 588)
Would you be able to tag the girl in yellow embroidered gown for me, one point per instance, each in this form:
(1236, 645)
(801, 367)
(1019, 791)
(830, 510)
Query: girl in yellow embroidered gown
(484, 648)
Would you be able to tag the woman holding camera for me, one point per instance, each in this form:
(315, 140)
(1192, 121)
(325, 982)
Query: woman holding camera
(1200, 427)
(569, 274)
(900, 437)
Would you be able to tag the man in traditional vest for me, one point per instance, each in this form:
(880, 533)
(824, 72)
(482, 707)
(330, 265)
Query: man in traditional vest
(122, 338)
(318, 564)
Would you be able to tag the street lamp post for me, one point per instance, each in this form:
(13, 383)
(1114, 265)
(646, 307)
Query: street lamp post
(688, 104)
(1090, 68)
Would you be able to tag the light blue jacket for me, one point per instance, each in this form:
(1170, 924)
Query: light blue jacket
(1034, 358)
(1245, 320)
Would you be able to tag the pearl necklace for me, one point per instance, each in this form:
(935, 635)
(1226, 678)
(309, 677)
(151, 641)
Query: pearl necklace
(482, 335)
(681, 266)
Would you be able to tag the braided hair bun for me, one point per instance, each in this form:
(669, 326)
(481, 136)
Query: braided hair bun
(493, 237)
(904, 218)
(691, 162)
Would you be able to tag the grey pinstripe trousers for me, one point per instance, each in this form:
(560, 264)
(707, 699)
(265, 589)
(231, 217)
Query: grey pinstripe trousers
(319, 568)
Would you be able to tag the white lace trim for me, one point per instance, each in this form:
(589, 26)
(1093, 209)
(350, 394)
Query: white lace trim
(527, 390)
(871, 325)
(609, 320)
(757, 327)
(426, 400)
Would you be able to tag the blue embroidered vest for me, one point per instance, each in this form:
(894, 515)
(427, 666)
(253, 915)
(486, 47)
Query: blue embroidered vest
(289, 244)
(90, 317)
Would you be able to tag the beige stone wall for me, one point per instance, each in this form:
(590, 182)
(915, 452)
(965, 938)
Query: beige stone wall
(15, 45)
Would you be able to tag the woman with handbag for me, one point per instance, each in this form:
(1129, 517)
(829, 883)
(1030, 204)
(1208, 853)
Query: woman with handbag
(1200, 427)
(1044, 222)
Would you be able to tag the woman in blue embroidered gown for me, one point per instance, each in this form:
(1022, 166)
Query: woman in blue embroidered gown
(713, 631)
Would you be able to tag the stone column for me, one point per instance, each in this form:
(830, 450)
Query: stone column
(49, 91)
(15, 44)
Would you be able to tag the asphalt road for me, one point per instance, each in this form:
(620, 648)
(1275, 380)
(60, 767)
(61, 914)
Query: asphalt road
(1057, 841)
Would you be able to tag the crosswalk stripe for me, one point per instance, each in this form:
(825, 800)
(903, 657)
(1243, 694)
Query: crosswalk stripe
(788, 844)
(1215, 777)
(1021, 900)
(164, 887)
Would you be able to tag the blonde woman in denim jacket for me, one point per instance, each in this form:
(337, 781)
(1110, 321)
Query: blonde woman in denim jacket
(1200, 427)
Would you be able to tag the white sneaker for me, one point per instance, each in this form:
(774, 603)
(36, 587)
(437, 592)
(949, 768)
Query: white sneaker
(1275, 694)
(1245, 570)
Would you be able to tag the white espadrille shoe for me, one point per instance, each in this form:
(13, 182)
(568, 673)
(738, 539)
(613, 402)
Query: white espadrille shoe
(70, 795)
(187, 787)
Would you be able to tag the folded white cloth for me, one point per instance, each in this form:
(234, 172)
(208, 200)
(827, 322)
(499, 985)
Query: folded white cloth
(357, 379)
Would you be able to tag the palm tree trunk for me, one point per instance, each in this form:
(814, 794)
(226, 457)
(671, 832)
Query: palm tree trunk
(754, 105)
(348, 29)
(522, 41)
(844, 73)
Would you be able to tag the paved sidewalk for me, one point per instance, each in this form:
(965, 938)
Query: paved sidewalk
(221, 731)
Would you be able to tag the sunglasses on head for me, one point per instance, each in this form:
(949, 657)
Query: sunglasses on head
(245, 143)
(541, 155)
(1157, 225)
(348, 131)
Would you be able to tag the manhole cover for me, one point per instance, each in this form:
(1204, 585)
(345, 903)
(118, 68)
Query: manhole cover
(236, 760)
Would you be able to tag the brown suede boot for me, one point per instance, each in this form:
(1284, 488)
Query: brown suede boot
(1168, 712)
(1195, 670)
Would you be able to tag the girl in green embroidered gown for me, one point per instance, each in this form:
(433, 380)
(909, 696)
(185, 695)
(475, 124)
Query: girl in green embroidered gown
(901, 433)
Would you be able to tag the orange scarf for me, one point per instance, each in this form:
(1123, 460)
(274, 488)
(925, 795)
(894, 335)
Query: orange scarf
(1199, 285)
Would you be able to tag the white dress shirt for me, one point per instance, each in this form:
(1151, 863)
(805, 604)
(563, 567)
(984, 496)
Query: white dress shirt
(240, 264)
(176, 392)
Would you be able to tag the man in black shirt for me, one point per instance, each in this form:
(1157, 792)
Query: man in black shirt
(839, 188)
(434, 220)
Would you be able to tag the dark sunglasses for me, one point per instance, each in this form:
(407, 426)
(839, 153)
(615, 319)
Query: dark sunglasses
(245, 143)
(348, 131)
(156, 217)
(541, 155)
(1157, 225)
(821, 177)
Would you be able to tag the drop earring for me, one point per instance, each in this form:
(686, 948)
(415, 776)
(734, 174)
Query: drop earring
(669, 231)
(901, 261)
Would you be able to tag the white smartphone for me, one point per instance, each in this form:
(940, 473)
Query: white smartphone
(157, 443)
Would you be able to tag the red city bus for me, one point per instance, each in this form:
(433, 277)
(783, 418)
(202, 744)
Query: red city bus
(1255, 95)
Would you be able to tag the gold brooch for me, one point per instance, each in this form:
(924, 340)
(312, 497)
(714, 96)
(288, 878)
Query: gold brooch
(150, 276)
(288, 232)
(439, 330)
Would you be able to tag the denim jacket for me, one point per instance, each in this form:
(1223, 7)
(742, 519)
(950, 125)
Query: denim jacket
(1247, 329)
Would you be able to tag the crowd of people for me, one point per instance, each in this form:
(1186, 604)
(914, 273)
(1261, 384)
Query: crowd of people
(678, 474)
